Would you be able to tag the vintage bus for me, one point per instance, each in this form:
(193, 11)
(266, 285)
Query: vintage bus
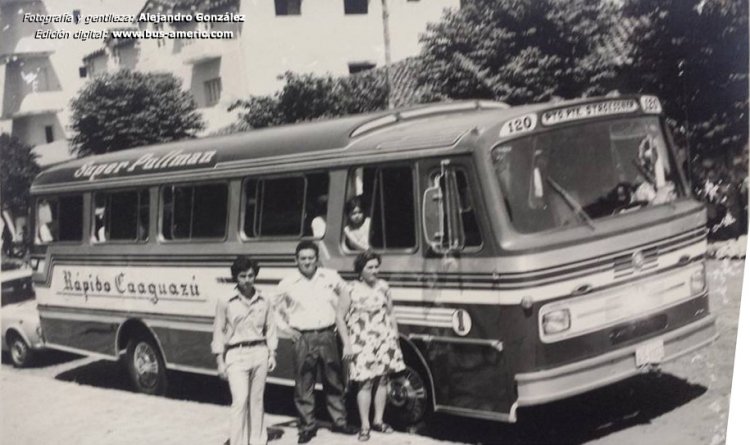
(534, 252)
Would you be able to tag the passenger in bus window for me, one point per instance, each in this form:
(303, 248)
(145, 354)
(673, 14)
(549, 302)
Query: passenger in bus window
(244, 341)
(357, 229)
(318, 223)
(369, 333)
(45, 223)
(99, 232)
(308, 300)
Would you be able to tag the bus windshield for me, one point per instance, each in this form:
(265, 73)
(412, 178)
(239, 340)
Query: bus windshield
(577, 174)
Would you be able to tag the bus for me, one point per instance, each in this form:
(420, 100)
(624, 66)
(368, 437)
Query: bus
(534, 252)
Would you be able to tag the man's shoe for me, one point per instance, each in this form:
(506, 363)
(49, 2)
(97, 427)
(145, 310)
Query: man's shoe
(345, 429)
(306, 436)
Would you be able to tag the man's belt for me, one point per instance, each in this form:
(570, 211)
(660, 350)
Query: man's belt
(317, 331)
(245, 344)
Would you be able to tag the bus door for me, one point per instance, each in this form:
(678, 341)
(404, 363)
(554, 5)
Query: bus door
(457, 323)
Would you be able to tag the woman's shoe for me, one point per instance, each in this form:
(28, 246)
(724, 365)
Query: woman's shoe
(364, 435)
(382, 428)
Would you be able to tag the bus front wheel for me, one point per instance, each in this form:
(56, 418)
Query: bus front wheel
(409, 400)
(146, 366)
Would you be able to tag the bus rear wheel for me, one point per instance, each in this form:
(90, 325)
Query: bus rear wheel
(146, 368)
(409, 401)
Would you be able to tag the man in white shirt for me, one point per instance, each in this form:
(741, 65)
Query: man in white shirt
(308, 300)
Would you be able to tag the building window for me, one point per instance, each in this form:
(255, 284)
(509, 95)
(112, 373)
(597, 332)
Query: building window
(190, 212)
(81, 71)
(355, 6)
(357, 67)
(288, 7)
(213, 91)
(49, 134)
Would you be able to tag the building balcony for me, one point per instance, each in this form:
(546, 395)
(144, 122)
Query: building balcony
(46, 102)
(199, 51)
(26, 48)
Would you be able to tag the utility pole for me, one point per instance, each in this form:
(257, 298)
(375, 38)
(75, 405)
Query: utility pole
(387, 44)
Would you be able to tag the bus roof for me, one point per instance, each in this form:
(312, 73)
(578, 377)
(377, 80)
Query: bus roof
(416, 128)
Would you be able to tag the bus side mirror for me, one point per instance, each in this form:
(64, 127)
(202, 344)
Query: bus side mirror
(441, 213)
(433, 217)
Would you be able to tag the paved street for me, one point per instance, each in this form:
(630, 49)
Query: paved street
(67, 399)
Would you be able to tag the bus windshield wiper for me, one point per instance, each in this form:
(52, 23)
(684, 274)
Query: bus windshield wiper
(573, 203)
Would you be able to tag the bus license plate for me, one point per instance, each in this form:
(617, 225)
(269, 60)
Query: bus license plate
(651, 352)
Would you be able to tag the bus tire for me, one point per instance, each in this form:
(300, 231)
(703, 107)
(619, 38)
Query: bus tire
(20, 353)
(409, 396)
(146, 368)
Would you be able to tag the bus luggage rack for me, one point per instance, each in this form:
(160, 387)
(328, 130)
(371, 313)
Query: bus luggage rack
(424, 111)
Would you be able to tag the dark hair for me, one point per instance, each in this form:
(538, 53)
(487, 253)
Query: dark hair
(354, 203)
(243, 263)
(363, 258)
(307, 244)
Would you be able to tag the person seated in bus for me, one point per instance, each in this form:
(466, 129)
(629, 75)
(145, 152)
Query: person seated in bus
(245, 341)
(99, 234)
(318, 223)
(369, 334)
(357, 229)
(45, 223)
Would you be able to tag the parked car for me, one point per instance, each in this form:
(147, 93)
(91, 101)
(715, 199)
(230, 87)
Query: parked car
(21, 331)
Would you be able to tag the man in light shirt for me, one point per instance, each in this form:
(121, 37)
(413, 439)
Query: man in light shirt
(308, 300)
(244, 342)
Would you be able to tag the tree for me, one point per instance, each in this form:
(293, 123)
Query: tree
(127, 109)
(522, 51)
(17, 171)
(693, 54)
(307, 97)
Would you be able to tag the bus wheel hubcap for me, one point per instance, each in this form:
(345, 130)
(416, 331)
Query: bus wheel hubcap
(146, 365)
(407, 390)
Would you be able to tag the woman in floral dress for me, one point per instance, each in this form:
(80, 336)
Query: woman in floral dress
(370, 336)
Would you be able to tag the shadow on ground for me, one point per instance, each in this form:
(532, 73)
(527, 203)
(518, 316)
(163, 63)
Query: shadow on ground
(576, 420)
(45, 358)
(573, 421)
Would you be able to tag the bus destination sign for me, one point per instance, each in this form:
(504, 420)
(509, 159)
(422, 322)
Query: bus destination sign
(586, 111)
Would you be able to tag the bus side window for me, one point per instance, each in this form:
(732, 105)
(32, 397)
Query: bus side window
(387, 195)
(291, 206)
(191, 212)
(60, 219)
(120, 216)
(467, 209)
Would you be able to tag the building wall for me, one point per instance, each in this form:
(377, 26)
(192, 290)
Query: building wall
(31, 129)
(39, 65)
(322, 39)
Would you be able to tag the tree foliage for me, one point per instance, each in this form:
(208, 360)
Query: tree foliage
(17, 171)
(694, 55)
(127, 109)
(307, 97)
(522, 51)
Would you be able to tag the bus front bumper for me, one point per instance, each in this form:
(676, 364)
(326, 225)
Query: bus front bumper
(554, 384)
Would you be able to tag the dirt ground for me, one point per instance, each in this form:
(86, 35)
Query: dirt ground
(72, 400)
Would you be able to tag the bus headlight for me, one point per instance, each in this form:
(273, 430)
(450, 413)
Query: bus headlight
(698, 280)
(556, 321)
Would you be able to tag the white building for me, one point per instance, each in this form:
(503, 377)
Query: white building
(39, 76)
(304, 36)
